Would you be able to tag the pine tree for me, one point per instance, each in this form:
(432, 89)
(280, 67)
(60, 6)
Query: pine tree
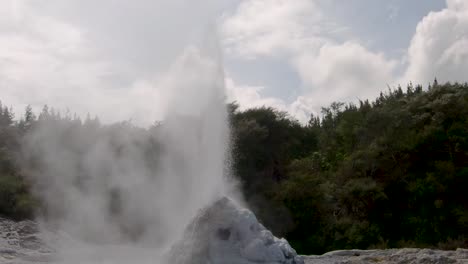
(28, 120)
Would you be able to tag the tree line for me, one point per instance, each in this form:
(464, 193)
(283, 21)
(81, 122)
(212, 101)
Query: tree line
(385, 173)
(390, 172)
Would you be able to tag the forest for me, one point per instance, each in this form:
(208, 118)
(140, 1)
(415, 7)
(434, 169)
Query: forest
(382, 173)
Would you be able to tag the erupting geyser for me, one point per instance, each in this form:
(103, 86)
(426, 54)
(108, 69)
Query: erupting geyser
(122, 194)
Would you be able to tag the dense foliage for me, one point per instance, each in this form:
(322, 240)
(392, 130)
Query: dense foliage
(15, 198)
(386, 173)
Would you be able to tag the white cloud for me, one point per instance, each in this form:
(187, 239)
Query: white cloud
(344, 72)
(38, 59)
(439, 46)
(457, 5)
(329, 70)
(271, 27)
(250, 96)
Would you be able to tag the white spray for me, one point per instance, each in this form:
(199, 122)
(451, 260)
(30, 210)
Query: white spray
(113, 200)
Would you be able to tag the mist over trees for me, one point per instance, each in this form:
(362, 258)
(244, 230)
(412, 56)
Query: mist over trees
(391, 172)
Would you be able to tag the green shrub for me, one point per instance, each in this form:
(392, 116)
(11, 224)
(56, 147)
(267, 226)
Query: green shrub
(15, 199)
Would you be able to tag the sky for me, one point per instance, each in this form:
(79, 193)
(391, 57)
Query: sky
(115, 58)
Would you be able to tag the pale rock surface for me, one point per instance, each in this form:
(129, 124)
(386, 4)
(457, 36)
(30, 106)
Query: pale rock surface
(225, 233)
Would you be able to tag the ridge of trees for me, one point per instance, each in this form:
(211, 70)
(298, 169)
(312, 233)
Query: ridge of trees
(388, 173)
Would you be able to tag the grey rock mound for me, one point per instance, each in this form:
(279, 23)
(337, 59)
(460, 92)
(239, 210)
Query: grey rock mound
(225, 233)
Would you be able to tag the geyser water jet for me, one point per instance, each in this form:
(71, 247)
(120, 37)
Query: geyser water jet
(114, 200)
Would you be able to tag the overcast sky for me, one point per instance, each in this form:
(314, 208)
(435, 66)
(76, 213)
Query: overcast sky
(113, 58)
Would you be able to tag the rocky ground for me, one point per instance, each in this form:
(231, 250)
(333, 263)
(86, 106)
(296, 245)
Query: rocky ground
(391, 256)
(21, 243)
